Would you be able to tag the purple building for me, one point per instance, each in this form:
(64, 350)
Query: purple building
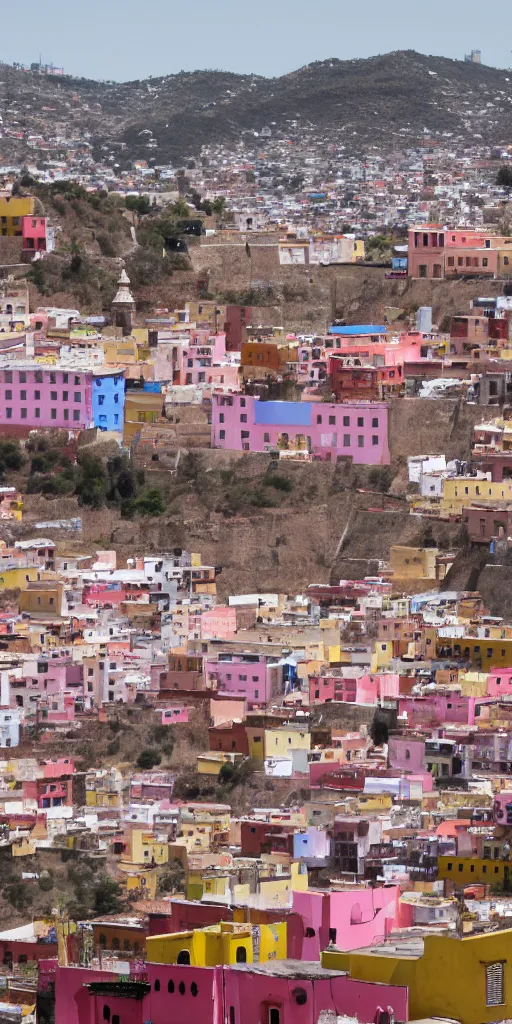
(325, 429)
(34, 395)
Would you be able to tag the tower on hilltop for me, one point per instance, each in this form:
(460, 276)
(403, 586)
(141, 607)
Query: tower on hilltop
(123, 306)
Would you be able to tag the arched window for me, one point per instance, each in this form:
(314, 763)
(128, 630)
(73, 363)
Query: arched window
(106, 1012)
(103, 941)
(407, 755)
(115, 1018)
(183, 957)
(310, 933)
(194, 989)
(115, 943)
(157, 985)
(181, 988)
(355, 914)
(126, 945)
(170, 986)
(241, 955)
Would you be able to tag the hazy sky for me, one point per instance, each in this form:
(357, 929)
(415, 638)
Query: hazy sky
(125, 39)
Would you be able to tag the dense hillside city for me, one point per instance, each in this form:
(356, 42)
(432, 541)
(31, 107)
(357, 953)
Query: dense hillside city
(256, 545)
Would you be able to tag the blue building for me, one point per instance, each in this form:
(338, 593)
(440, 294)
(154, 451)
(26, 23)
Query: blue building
(108, 390)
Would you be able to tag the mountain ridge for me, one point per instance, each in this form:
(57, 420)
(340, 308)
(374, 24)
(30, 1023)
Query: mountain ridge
(394, 99)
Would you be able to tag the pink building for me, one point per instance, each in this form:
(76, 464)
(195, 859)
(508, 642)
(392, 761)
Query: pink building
(250, 677)
(218, 622)
(438, 708)
(358, 430)
(351, 919)
(33, 395)
(499, 682)
(406, 754)
(435, 252)
(33, 230)
(285, 992)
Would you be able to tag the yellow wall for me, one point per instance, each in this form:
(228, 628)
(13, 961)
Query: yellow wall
(486, 653)
(281, 741)
(413, 563)
(382, 655)
(16, 579)
(461, 491)
(449, 980)
(474, 869)
(143, 849)
(219, 944)
(11, 211)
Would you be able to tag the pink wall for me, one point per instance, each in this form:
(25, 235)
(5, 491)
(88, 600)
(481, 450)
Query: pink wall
(398, 749)
(504, 686)
(360, 917)
(172, 715)
(47, 391)
(182, 1007)
(218, 622)
(438, 708)
(250, 995)
(353, 429)
(73, 1003)
(252, 680)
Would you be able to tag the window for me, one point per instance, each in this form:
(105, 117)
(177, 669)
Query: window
(157, 985)
(319, 419)
(375, 421)
(106, 1012)
(115, 1018)
(222, 434)
(8, 394)
(183, 957)
(8, 377)
(66, 414)
(449, 866)
(241, 955)
(23, 396)
(332, 421)
(76, 415)
(181, 988)
(8, 414)
(78, 396)
(53, 414)
(485, 261)
(346, 440)
(37, 413)
(193, 989)
(221, 417)
(23, 414)
(346, 421)
(266, 438)
(360, 441)
(23, 377)
(37, 396)
(65, 396)
(53, 396)
(494, 988)
(274, 1015)
(65, 378)
(53, 378)
(232, 1018)
(77, 379)
(170, 986)
(360, 421)
(375, 439)
(451, 261)
(243, 418)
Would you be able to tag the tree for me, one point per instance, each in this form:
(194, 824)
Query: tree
(138, 204)
(148, 759)
(219, 205)
(11, 456)
(107, 897)
(504, 176)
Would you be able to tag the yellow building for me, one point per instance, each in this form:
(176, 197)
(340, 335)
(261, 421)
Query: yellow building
(468, 979)
(382, 655)
(225, 943)
(12, 209)
(140, 407)
(141, 847)
(279, 742)
(463, 870)
(485, 653)
(18, 578)
(43, 597)
(412, 563)
(460, 491)
(211, 762)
